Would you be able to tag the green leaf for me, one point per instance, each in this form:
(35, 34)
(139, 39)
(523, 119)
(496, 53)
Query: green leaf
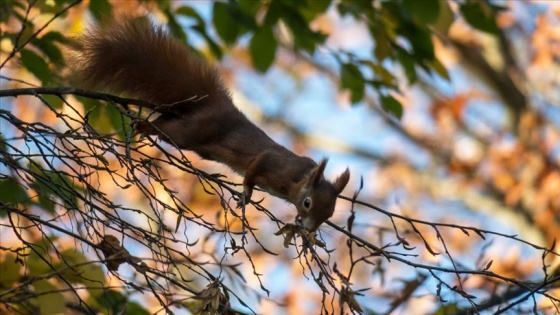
(318, 6)
(47, 204)
(391, 106)
(440, 69)
(446, 309)
(36, 65)
(445, 18)
(50, 50)
(112, 300)
(100, 9)
(118, 121)
(50, 7)
(10, 271)
(263, 48)
(244, 13)
(381, 73)
(310, 9)
(117, 303)
(12, 192)
(226, 27)
(174, 27)
(43, 189)
(91, 106)
(47, 6)
(308, 40)
(8, 9)
(53, 100)
(88, 274)
(354, 8)
(55, 184)
(274, 12)
(42, 185)
(34, 264)
(163, 4)
(44, 195)
(352, 79)
(66, 190)
(480, 16)
(382, 47)
(304, 37)
(62, 2)
(201, 28)
(407, 63)
(190, 12)
(421, 41)
(425, 11)
(214, 47)
(97, 113)
(133, 308)
(51, 303)
(248, 7)
(47, 45)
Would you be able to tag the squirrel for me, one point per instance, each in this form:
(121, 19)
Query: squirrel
(139, 59)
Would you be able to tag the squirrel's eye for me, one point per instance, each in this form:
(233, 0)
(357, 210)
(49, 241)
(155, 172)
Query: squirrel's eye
(307, 202)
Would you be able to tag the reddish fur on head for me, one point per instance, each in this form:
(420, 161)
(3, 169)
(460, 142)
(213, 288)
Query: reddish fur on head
(318, 197)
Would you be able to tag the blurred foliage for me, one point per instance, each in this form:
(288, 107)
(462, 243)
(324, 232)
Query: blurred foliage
(402, 31)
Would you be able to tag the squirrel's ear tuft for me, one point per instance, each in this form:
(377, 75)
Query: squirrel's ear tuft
(317, 173)
(341, 181)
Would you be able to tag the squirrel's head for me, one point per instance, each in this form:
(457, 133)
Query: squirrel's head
(318, 197)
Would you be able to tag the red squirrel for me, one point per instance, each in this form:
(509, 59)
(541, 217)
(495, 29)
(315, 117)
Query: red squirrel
(137, 58)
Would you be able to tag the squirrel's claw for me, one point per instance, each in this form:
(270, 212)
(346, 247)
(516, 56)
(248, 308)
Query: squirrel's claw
(243, 198)
(136, 128)
(141, 127)
(242, 201)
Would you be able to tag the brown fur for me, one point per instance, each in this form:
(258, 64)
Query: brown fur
(138, 59)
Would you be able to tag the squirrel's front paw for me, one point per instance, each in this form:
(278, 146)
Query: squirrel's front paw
(242, 201)
(141, 127)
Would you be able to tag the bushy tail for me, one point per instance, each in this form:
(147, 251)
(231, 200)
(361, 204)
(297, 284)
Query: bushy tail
(141, 60)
